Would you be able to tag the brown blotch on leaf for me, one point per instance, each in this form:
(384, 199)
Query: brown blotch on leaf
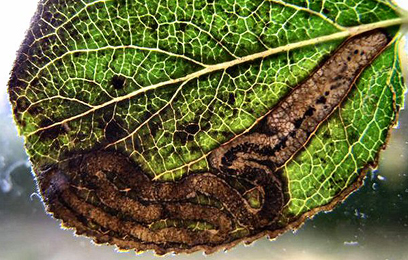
(181, 136)
(128, 208)
(35, 110)
(115, 216)
(52, 132)
(192, 129)
(114, 131)
(118, 82)
(288, 126)
(22, 103)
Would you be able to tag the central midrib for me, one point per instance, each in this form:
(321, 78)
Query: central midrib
(351, 31)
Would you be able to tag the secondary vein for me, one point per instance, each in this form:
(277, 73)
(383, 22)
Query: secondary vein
(352, 31)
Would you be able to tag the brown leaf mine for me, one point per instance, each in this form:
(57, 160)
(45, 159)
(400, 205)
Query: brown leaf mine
(106, 196)
(290, 124)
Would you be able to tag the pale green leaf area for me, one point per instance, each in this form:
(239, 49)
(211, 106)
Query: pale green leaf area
(167, 82)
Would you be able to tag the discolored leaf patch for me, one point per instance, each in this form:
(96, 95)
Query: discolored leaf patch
(198, 125)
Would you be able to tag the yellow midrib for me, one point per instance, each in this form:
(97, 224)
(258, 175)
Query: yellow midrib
(348, 32)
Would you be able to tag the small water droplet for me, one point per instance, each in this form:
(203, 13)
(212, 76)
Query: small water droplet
(359, 214)
(381, 178)
(5, 177)
(350, 243)
(35, 195)
(5, 185)
(2, 163)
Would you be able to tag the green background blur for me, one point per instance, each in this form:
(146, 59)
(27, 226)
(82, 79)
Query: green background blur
(371, 224)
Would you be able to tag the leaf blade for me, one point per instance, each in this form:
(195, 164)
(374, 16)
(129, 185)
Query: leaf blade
(167, 84)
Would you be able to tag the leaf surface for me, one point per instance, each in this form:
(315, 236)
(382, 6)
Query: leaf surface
(151, 91)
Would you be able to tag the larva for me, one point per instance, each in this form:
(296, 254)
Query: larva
(105, 196)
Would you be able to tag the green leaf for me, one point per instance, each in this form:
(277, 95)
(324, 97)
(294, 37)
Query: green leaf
(149, 124)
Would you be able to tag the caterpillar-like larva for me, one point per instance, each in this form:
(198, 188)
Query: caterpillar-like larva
(107, 197)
